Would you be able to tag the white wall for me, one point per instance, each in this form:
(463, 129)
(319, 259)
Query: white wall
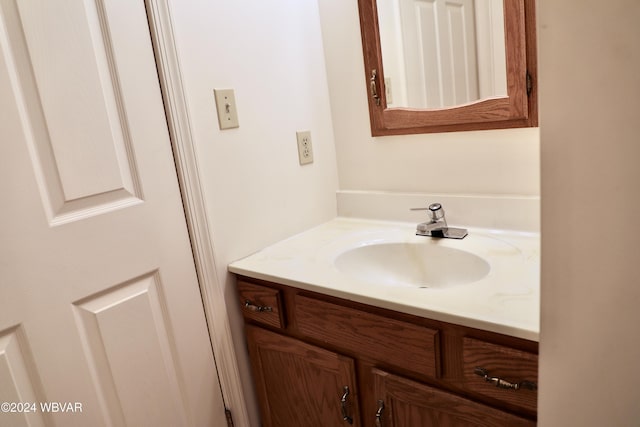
(271, 53)
(256, 192)
(485, 162)
(590, 140)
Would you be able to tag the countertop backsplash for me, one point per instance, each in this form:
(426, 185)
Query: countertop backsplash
(501, 212)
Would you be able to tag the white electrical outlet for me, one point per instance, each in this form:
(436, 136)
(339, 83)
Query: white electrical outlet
(305, 150)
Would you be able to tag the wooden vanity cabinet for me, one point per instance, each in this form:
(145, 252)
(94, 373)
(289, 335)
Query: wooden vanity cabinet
(324, 361)
(301, 384)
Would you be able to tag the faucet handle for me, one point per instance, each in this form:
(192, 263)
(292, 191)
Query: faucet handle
(435, 211)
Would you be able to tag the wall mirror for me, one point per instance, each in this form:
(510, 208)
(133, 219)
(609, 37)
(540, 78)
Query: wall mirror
(449, 65)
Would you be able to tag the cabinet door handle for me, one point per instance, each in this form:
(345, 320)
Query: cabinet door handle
(373, 86)
(379, 413)
(259, 308)
(500, 383)
(343, 406)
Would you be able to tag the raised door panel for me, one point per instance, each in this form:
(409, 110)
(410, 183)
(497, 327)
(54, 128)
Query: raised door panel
(21, 391)
(403, 402)
(76, 101)
(439, 40)
(146, 351)
(299, 384)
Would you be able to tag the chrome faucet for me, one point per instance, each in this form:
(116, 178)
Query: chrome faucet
(437, 224)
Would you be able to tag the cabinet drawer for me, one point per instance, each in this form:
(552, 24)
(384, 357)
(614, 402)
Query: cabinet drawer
(387, 340)
(261, 303)
(505, 368)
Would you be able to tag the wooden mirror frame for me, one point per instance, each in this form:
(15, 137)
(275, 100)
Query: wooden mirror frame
(518, 109)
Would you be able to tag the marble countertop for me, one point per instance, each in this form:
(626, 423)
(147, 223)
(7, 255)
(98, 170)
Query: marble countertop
(506, 300)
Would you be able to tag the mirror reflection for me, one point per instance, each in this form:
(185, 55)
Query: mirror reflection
(442, 53)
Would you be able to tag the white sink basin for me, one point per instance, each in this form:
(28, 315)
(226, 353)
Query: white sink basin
(424, 265)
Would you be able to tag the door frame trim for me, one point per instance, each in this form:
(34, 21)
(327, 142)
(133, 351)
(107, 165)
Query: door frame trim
(182, 141)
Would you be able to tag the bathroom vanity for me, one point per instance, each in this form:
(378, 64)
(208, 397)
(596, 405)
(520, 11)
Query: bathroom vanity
(331, 348)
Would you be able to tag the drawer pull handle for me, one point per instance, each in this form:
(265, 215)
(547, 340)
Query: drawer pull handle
(259, 308)
(343, 406)
(379, 413)
(500, 383)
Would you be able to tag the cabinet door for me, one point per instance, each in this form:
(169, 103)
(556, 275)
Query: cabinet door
(404, 403)
(299, 384)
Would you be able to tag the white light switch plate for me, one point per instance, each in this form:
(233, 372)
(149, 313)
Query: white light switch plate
(227, 109)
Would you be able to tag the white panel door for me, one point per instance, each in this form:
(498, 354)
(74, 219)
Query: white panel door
(101, 320)
(439, 40)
